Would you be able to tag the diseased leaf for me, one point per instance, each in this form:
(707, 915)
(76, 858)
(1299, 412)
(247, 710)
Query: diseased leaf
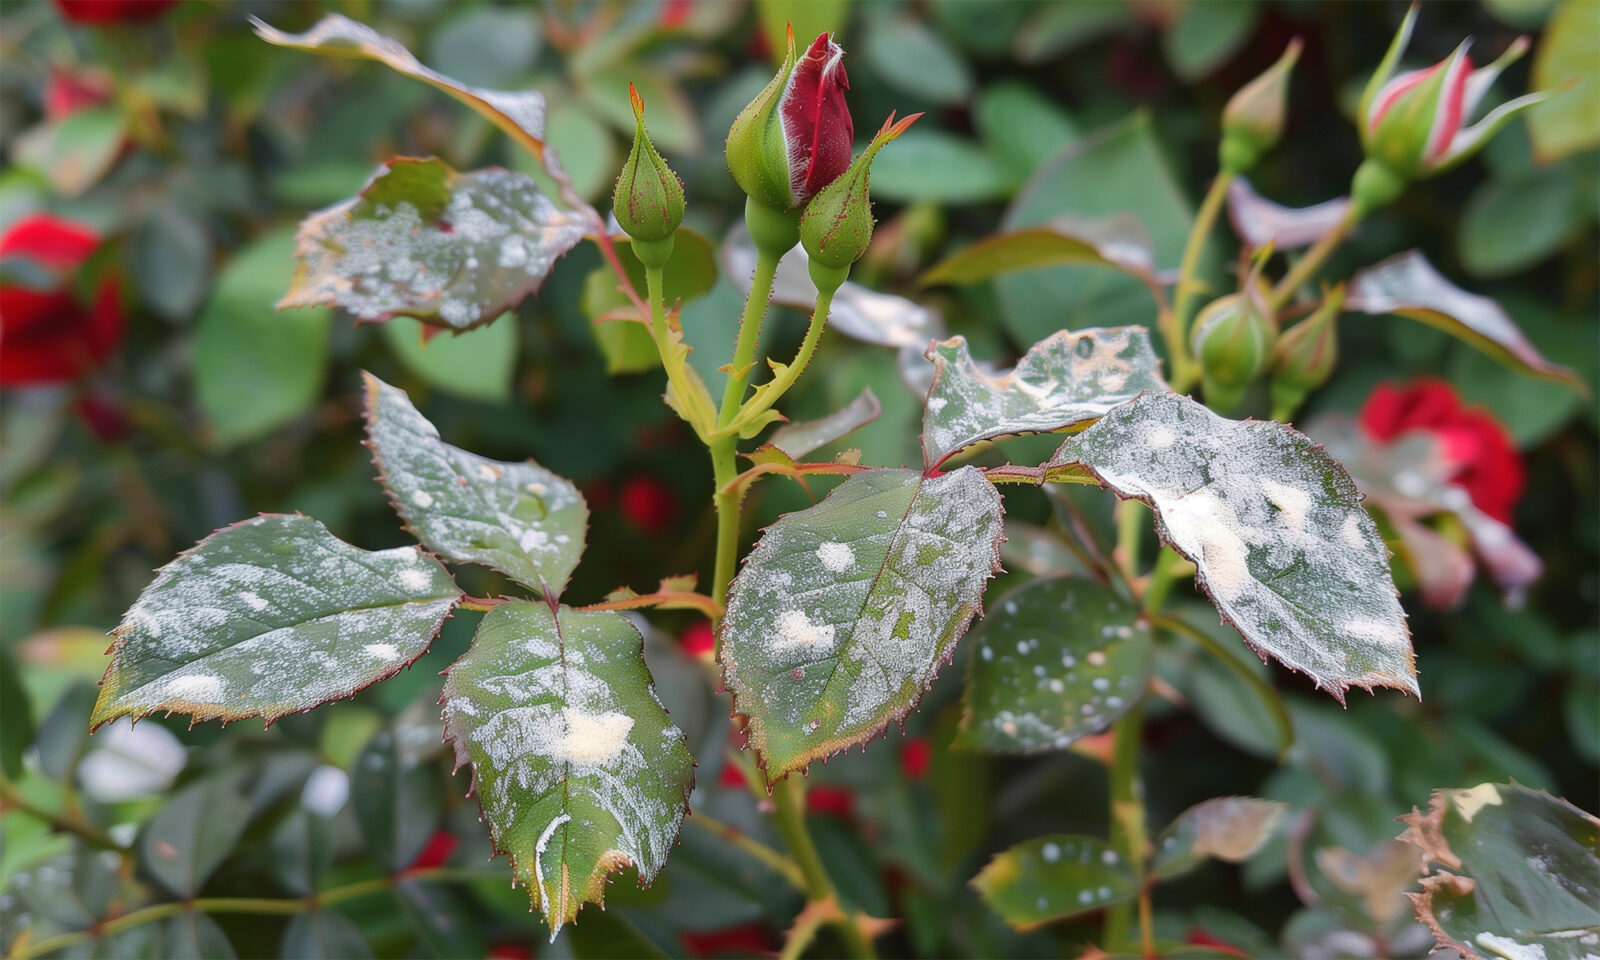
(1407, 285)
(1259, 222)
(1056, 660)
(1063, 381)
(518, 518)
(271, 616)
(1053, 877)
(520, 113)
(845, 611)
(578, 769)
(799, 439)
(1227, 828)
(1118, 241)
(1274, 526)
(455, 250)
(1512, 873)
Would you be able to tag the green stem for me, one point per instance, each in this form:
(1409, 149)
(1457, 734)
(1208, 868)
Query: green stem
(744, 348)
(1169, 569)
(256, 905)
(769, 857)
(1184, 368)
(1306, 268)
(1128, 834)
(727, 500)
(789, 803)
(768, 394)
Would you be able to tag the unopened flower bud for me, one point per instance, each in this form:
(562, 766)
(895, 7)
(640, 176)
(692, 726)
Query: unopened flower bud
(648, 200)
(1252, 122)
(1232, 339)
(1304, 357)
(837, 225)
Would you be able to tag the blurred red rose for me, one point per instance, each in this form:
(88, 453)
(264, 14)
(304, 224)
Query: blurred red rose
(647, 503)
(914, 757)
(1474, 443)
(70, 92)
(697, 639)
(831, 801)
(437, 851)
(749, 940)
(46, 335)
(113, 11)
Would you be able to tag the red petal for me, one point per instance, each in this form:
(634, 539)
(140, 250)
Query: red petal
(56, 243)
(816, 119)
(914, 758)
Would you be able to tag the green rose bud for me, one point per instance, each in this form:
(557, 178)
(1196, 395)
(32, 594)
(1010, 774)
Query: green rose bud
(1304, 357)
(648, 200)
(1232, 339)
(1252, 122)
(837, 224)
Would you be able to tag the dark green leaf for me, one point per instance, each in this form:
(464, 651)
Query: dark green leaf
(1022, 127)
(16, 718)
(396, 799)
(192, 935)
(170, 257)
(302, 851)
(254, 370)
(1207, 35)
(195, 831)
(451, 249)
(268, 617)
(1118, 242)
(1058, 659)
(844, 612)
(915, 60)
(1510, 225)
(323, 934)
(477, 365)
(63, 736)
(577, 766)
(1063, 381)
(1275, 527)
(486, 46)
(440, 920)
(518, 518)
(933, 166)
(1231, 829)
(1512, 873)
(1048, 878)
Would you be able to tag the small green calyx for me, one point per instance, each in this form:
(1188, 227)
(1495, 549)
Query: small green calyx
(758, 154)
(1252, 122)
(1233, 338)
(836, 228)
(648, 200)
(1305, 356)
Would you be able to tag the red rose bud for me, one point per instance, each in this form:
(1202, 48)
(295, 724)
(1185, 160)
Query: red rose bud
(113, 11)
(1252, 122)
(837, 225)
(1304, 357)
(1413, 124)
(1233, 340)
(698, 639)
(648, 200)
(794, 138)
(46, 335)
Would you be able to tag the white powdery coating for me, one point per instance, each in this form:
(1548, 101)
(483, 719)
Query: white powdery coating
(375, 260)
(812, 644)
(593, 737)
(269, 616)
(1064, 379)
(383, 651)
(837, 557)
(538, 869)
(1509, 948)
(517, 517)
(1275, 527)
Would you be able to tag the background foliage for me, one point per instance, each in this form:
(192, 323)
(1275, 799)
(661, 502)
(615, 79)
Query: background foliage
(192, 148)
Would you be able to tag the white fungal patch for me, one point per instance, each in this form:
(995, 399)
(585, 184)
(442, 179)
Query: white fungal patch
(1159, 437)
(837, 557)
(414, 580)
(1205, 528)
(193, 688)
(1378, 632)
(422, 498)
(253, 602)
(1294, 502)
(1510, 949)
(538, 866)
(1352, 534)
(1051, 852)
(386, 652)
(593, 738)
(797, 631)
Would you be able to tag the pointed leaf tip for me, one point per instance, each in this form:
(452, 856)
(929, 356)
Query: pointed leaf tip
(637, 102)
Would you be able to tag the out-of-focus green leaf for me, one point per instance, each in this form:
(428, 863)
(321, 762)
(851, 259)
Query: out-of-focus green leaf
(930, 165)
(1207, 35)
(451, 249)
(396, 800)
(323, 934)
(1511, 225)
(76, 151)
(192, 935)
(915, 60)
(844, 612)
(486, 46)
(1512, 872)
(1022, 127)
(1118, 242)
(195, 831)
(518, 518)
(579, 770)
(1055, 660)
(1407, 285)
(1275, 527)
(63, 737)
(16, 717)
(588, 152)
(672, 121)
(799, 439)
(807, 18)
(1566, 124)
(268, 617)
(1052, 877)
(1232, 829)
(254, 370)
(1063, 381)
(170, 258)
(442, 923)
(477, 364)
(302, 850)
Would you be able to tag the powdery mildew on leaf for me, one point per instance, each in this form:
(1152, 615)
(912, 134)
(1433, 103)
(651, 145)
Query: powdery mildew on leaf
(1052, 877)
(268, 617)
(1064, 380)
(1508, 872)
(1232, 829)
(1053, 661)
(1274, 526)
(574, 760)
(518, 518)
(454, 250)
(844, 612)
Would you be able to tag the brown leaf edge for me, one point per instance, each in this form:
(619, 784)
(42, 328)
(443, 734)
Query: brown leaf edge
(611, 862)
(827, 749)
(369, 414)
(1345, 486)
(202, 712)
